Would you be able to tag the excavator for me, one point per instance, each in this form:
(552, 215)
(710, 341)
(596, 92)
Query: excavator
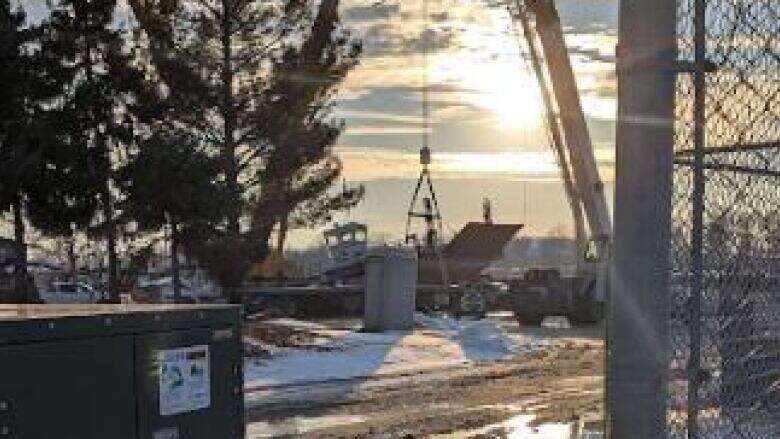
(545, 292)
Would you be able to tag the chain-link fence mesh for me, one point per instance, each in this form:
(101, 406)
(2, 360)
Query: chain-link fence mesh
(725, 321)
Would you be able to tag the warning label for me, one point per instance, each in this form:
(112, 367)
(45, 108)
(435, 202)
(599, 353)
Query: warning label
(185, 381)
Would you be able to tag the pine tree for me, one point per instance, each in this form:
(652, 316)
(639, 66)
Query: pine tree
(29, 160)
(103, 97)
(300, 168)
(222, 63)
(172, 182)
(15, 115)
(211, 54)
(212, 57)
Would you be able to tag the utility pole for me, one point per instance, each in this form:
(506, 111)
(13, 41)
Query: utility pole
(638, 348)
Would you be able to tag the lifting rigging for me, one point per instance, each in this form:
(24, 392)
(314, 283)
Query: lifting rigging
(429, 212)
(570, 141)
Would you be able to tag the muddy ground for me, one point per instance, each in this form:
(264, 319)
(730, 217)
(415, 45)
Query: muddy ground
(560, 382)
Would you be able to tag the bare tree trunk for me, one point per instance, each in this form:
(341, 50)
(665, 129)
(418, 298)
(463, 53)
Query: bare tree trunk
(175, 262)
(284, 224)
(230, 118)
(22, 290)
(284, 227)
(72, 258)
(110, 234)
(106, 199)
(229, 115)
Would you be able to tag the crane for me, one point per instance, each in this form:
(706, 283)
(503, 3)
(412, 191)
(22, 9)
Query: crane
(429, 246)
(571, 143)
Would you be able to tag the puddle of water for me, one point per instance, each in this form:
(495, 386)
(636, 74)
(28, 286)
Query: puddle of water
(293, 427)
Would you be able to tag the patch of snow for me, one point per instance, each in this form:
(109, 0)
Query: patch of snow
(437, 343)
(480, 340)
(518, 427)
(483, 340)
(354, 355)
(259, 349)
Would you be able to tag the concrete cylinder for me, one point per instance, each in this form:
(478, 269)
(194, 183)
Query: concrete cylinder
(372, 307)
(390, 289)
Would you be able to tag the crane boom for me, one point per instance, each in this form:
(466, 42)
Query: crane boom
(578, 141)
(559, 76)
(571, 143)
(553, 125)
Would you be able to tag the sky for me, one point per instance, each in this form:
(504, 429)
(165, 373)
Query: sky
(487, 132)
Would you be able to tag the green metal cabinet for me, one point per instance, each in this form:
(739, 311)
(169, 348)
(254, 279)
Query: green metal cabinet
(120, 372)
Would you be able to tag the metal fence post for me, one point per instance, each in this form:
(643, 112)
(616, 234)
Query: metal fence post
(638, 334)
(694, 371)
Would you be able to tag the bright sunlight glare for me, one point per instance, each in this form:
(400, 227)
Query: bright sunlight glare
(502, 83)
(518, 164)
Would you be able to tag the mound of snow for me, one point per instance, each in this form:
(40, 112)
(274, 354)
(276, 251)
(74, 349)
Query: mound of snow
(479, 339)
(483, 340)
(259, 349)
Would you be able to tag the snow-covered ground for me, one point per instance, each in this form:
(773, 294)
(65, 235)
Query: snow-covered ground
(436, 343)
(458, 378)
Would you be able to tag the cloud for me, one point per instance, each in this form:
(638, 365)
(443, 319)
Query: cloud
(483, 95)
(369, 164)
(372, 12)
(383, 130)
(383, 39)
(380, 117)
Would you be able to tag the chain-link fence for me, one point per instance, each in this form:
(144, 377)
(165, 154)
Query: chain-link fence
(725, 321)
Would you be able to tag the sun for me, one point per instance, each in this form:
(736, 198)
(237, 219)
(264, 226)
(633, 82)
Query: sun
(490, 73)
(512, 99)
(509, 94)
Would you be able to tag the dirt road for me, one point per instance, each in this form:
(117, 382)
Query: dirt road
(558, 383)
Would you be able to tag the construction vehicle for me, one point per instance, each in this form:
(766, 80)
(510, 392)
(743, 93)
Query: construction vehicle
(542, 293)
(454, 267)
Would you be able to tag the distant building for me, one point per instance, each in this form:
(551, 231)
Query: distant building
(347, 246)
(347, 242)
(470, 251)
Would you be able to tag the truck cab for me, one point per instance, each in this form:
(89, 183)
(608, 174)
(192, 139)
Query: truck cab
(544, 292)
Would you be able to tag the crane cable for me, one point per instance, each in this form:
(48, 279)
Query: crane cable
(432, 210)
(526, 64)
(426, 106)
(550, 122)
(425, 86)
